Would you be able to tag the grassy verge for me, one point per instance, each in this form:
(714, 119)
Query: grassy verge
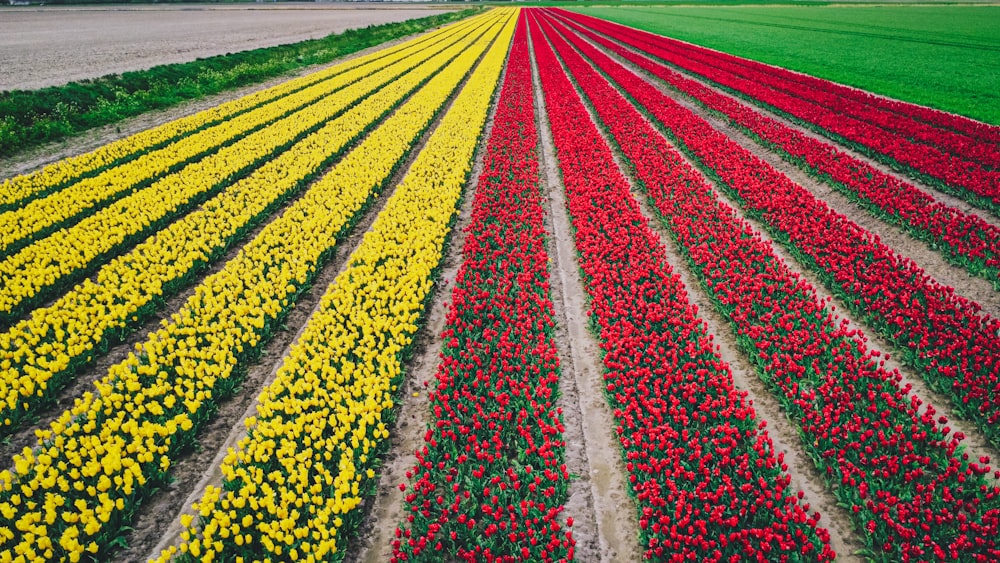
(947, 57)
(33, 117)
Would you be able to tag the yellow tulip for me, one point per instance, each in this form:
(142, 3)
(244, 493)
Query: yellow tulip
(360, 314)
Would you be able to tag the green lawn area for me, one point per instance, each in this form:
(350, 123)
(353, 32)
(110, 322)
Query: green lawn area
(945, 56)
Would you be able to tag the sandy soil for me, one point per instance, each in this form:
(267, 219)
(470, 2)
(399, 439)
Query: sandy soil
(385, 512)
(51, 45)
(610, 530)
(603, 531)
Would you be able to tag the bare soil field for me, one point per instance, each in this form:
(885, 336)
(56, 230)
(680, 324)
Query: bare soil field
(51, 45)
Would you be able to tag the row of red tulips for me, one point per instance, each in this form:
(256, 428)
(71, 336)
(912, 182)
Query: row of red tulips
(978, 130)
(911, 491)
(943, 335)
(964, 238)
(973, 142)
(952, 132)
(837, 116)
(490, 481)
(707, 481)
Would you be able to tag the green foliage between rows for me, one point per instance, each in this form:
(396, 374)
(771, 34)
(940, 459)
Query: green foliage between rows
(33, 117)
(943, 56)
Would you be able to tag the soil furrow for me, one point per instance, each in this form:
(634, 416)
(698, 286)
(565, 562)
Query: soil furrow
(602, 486)
(386, 511)
(49, 46)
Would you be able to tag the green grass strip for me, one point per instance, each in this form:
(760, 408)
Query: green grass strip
(35, 117)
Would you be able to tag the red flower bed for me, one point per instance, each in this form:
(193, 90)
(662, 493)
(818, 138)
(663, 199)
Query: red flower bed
(942, 334)
(704, 473)
(967, 239)
(490, 481)
(910, 489)
(857, 123)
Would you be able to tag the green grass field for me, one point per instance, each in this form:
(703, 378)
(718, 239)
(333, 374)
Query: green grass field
(945, 56)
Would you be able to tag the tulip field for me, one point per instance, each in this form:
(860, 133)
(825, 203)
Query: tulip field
(516, 240)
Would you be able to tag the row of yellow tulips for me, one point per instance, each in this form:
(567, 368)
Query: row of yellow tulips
(224, 150)
(16, 191)
(296, 482)
(39, 354)
(73, 493)
(52, 264)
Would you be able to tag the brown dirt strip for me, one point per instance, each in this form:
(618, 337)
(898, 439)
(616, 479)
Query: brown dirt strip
(568, 296)
(608, 528)
(386, 511)
(975, 442)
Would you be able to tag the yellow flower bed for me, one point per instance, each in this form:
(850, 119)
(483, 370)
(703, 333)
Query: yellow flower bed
(291, 115)
(296, 481)
(44, 264)
(39, 353)
(20, 188)
(72, 494)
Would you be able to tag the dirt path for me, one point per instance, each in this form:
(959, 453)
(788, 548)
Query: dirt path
(46, 46)
(386, 511)
(608, 529)
(975, 443)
